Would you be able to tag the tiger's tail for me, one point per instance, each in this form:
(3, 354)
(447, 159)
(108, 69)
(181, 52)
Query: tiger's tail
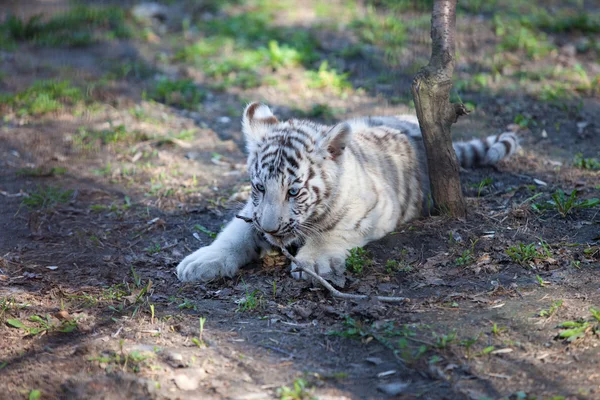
(486, 152)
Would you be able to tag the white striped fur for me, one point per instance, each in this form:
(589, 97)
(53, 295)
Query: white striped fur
(328, 189)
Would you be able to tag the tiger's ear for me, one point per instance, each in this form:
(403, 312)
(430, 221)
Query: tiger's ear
(335, 140)
(256, 121)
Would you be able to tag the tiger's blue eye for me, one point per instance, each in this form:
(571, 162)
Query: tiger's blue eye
(260, 187)
(293, 192)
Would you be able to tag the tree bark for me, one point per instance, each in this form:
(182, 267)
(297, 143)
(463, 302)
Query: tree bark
(431, 92)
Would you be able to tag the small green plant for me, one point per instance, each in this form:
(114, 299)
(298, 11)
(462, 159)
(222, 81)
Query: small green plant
(574, 330)
(586, 163)
(181, 93)
(443, 341)
(8, 304)
(251, 301)
(525, 254)
(154, 248)
(541, 281)
(299, 391)
(393, 266)
(358, 260)
(186, 304)
(485, 182)
(127, 361)
(43, 325)
(199, 341)
(524, 121)
(468, 343)
(497, 330)
(552, 310)
(467, 256)
(565, 205)
(46, 197)
(328, 78)
(35, 395)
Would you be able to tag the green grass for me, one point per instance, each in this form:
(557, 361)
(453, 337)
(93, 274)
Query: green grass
(567, 21)
(547, 313)
(132, 361)
(586, 163)
(43, 97)
(80, 26)
(516, 36)
(525, 254)
(425, 6)
(251, 301)
(242, 49)
(358, 260)
(89, 140)
(182, 93)
(38, 325)
(409, 343)
(564, 204)
(41, 172)
(385, 30)
(328, 78)
(299, 391)
(46, 197)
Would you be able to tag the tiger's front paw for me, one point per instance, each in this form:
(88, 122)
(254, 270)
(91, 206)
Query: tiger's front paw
(330, 268)
(208, 263)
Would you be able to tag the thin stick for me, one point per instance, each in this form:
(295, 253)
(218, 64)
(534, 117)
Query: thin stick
(334, 292)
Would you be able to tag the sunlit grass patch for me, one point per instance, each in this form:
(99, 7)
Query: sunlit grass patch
(182, 93)
(328, 78)
(43, 97)
(385, 30)
(79, 26)
(567, 20)
(243, 49)
(517, 36)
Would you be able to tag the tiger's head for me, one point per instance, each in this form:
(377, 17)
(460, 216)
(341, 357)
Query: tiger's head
(294, 168)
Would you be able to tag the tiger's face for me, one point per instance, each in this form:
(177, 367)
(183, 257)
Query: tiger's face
(293, 167)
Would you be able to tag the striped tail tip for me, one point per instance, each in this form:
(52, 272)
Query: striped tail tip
(486, 152)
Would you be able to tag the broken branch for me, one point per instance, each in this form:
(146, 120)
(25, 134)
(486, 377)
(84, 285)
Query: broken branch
(334, 292)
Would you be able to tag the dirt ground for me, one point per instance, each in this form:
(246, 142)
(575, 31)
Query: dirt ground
(100, 198)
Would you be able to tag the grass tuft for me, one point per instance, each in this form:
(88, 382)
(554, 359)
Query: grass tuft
(46, 197)
(43, 97)
(80, 26)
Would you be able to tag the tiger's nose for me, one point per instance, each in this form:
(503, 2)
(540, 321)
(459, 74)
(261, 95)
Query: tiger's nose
(269, 223)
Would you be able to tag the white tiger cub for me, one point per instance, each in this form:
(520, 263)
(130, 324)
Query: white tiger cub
(328, 189)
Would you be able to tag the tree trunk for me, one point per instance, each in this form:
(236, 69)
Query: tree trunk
(431, 92)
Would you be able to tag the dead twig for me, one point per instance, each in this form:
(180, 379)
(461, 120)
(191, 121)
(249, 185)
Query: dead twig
(334, 292)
